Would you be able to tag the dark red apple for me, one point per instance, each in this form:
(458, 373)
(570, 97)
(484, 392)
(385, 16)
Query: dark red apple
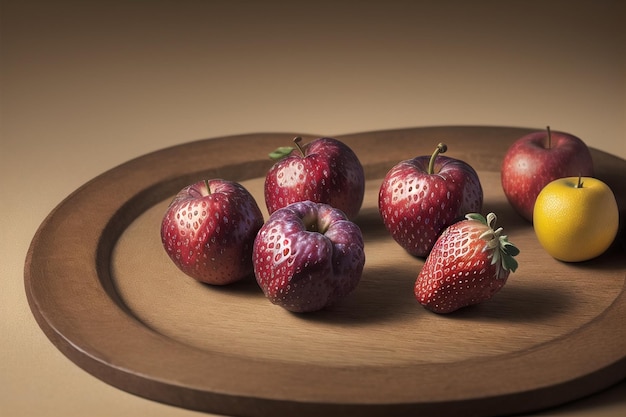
(536, 159)
(323, 171)
(420, 197)
(308, 256)
(208, 231)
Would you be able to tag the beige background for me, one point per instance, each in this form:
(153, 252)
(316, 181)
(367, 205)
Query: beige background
(87, 85)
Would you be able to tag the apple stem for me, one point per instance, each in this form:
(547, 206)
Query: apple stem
(549, 137)
(580, 181)
(206, 184)
(441, 148)
(297, 141)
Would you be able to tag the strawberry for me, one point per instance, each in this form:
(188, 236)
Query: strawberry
(468, 264)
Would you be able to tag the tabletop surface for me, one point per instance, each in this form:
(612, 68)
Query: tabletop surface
(86, 87)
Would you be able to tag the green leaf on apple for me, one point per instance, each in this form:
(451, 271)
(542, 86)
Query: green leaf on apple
(281, 152)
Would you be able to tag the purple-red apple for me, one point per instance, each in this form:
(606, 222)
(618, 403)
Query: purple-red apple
(323, 171)
(420, 197)
(308, 256)
(208, 231)
(538, 158)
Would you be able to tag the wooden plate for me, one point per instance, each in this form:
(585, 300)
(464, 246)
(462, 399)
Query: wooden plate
(104, 292)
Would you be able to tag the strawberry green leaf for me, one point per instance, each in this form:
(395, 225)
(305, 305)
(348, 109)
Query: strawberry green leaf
(476, 216)
(510, 248)
(509, 263)
(503, 250)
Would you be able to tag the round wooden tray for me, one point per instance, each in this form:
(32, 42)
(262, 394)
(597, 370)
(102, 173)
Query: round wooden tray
(104, 292)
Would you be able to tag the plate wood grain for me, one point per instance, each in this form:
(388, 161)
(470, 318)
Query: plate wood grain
(102, 289)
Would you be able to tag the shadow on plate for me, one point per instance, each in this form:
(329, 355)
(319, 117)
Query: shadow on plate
(517, 303)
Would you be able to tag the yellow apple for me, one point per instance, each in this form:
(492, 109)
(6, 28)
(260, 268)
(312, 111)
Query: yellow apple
(576, 218)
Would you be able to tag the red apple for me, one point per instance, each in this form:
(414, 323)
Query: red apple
(323, 171)
(420, 197)
(535, 160)
(208, 231)
(308, 256)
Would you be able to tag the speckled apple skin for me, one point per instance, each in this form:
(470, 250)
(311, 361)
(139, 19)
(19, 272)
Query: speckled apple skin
(416, 206)
(308, 256)
(330, 173)
(210, 236)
